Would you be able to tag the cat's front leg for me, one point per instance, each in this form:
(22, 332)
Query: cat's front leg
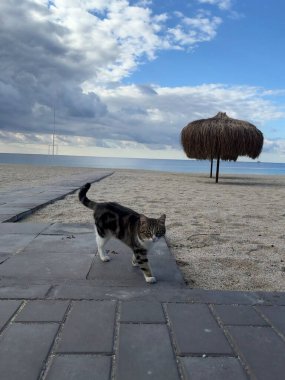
(134, 261)
(142, 261)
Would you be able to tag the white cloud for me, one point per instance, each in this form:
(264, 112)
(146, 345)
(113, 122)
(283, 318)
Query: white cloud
(71, 56)
(276, 146)
(222, 4)
(193, 30)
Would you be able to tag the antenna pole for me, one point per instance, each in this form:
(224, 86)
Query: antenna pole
(53, 135)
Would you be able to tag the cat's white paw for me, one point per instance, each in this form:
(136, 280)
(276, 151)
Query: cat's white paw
(150, 280)
(105, 258)
(135, 264)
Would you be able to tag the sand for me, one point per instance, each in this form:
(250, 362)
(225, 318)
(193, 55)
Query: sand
(224, 236)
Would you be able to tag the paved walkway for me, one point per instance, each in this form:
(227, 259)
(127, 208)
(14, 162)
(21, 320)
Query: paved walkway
(66, 315)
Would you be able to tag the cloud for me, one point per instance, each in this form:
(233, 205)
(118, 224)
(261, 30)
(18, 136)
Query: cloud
(53, 63)
(193, 30)
(149, 115)
(222, 4)
(274, 146)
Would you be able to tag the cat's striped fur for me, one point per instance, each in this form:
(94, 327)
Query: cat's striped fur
(136, 230)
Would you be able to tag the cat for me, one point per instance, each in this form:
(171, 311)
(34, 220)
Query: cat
(135, 230)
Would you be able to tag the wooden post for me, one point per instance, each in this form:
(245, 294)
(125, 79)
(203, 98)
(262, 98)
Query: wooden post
(218, 167)
(211, 172)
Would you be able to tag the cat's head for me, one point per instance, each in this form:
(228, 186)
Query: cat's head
(151, 229)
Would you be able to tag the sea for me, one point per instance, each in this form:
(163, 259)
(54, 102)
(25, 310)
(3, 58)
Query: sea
(163, 165)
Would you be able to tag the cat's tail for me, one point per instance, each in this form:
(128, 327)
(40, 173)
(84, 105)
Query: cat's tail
(83, 198)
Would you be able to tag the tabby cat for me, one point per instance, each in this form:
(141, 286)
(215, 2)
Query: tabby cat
(135, 230)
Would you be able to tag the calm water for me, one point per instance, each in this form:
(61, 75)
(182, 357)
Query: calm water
(179, 166)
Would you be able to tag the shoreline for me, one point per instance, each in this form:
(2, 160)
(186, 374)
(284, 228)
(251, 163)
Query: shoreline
(227, 236)
(150, 164)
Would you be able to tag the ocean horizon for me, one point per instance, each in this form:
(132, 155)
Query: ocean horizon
(164, 165)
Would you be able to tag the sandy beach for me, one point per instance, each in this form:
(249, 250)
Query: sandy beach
(224, 236)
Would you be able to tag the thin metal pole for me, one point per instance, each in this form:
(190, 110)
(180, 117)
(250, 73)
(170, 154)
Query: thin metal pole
(53, 135)
(218, 167)
(211, 171)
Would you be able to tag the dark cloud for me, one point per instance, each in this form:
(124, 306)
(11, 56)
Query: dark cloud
(45, 65)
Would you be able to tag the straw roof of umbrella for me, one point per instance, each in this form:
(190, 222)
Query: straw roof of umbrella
(221, 137)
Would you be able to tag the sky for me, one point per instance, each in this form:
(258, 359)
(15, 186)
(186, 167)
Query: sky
(121, 78)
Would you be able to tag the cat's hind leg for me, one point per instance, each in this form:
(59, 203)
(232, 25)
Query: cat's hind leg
(101, 242)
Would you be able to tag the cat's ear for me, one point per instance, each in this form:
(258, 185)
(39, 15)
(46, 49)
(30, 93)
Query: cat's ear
(143, 219)
(162, 219)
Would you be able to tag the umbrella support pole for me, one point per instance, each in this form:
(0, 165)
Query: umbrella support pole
(211, 171)
(218, 167)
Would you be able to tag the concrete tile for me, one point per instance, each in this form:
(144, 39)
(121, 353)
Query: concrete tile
(274, 298)
(120, 270)
(142, 312)
(46, 266)
(69, 229)
(4, 217)
(218, 368)
(23, 291)
(196, 331)
(22, 228)
(73, 244)
(4, 210)
(7, 309)
(10, 244)
(43, 311)
(89, 328)
(262, 349)
(80, 367)
(145, 352)
(276, 316)
(23, 349)
(238, 315)
(4, 256)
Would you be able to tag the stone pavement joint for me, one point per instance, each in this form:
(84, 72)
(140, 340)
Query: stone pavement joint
(66, 315)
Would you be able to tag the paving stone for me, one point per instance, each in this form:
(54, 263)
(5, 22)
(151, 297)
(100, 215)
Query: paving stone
(274, 298)
(22, 228)
(4, 210)
(145, 352)
(7, 309)
(117, 271)
(262, 349)
(23, 349)
(196, 331)
(83, 367)
(43, 311)
(89, 328)
(73, 244)
(142, 312)
(238, 315)
(120, 270)
(6, 217)
(4, 256)
(46, 266)
(29, 204)
(218, 368)
(9, 244)
(23, 291)
(70, 229)
(276, 316)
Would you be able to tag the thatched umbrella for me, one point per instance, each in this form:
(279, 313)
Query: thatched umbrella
(221, 137)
